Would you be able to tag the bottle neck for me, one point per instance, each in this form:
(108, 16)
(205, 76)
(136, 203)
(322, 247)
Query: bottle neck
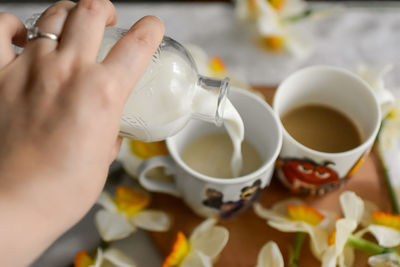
(210, 98)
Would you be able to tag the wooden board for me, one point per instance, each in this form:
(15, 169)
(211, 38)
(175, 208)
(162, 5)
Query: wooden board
(248, 233)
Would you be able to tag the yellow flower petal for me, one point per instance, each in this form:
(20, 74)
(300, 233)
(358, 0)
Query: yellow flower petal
(129, 201)
(332, 238)
(179, 251)
(274, 42)
(277, 4)
(217, 65)
(305, 214)
(147, 150)
(151, 220)
(270, 256)
(386, 219)
(82, 259)
(252, 7)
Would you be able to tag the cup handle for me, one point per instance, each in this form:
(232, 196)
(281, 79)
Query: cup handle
(158, 186)
(386, 101)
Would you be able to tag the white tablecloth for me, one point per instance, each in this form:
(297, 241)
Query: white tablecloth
(359, 35)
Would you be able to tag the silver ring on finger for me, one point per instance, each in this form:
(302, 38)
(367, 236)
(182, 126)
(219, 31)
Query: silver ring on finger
(35, 33)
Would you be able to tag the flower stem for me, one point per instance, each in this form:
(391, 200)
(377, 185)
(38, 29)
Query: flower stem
(366, 245)
(306, 13)
(296, 249)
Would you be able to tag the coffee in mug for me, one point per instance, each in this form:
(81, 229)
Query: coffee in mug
(322, 128)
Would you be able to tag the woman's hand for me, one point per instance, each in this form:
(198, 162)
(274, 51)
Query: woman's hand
(59, 119)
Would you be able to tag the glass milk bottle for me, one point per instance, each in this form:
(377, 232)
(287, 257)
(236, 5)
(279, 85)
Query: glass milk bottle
(169, 94)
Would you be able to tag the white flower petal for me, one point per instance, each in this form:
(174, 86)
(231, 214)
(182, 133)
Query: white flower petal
(361, 232)
(210, 240)
(270, 256)
(204, 226)
(329, 222)
(329, 258)
(292, 8)
(384, 260)
(298, 41)
(366, 218)
(196, 259)
(106, 201)
(112, 226)
(241, 10)
(117, 258)
(151, 220)
(278, 211)
(268, 25)
(99, 258)
(386, 236)
(130, 162)
(344, 228)
(282, 206)
(352, 206)
(318, 236)
(348, 256)
(267, 213)
(266, 9)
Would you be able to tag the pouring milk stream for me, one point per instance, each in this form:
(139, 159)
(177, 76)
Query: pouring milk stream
(170, 93)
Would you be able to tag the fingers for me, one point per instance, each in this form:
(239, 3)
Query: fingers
(130, 56)
(85, 26)
(51, 21)
(12, 31)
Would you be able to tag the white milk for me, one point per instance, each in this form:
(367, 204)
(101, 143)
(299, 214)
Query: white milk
(164, 98)
(234, 126)
(205, 103)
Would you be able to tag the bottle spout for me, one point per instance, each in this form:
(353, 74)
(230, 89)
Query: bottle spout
(209, 101)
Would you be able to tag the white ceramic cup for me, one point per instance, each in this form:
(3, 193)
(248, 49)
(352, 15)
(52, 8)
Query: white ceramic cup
(210, 196)
(312, 172)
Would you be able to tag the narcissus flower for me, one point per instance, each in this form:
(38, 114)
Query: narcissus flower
(134, 152)
(374, 77)
(338, 253)
(276, 25)
(384, 260)
(385, 227)
(270, 256)
(125, 213)
(201, 249)
(110, 257)
(294, 216)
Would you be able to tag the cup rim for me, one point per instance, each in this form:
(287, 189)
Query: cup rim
(363, 145)
(241, 179)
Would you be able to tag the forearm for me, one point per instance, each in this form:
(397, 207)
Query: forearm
(25, 230)
(35, 213)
